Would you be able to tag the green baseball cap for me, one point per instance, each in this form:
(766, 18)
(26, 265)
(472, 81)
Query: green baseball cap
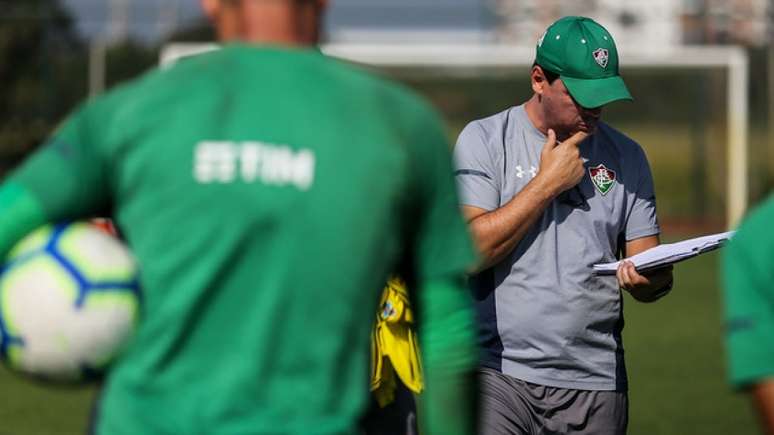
(583, 53)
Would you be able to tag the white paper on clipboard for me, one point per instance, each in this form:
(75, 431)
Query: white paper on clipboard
(669, 253)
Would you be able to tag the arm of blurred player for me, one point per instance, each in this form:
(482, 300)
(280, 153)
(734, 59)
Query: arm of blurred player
(20, 213)
(497, 232)
(649, 286)
(447, 341)
(763, 396)
(748, 311)
(441, 252)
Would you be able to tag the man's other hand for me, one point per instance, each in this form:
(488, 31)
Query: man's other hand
(646, 287)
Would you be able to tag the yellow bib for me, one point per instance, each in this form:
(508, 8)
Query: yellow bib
(394, 345)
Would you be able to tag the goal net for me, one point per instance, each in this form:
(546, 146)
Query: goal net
(691, 111)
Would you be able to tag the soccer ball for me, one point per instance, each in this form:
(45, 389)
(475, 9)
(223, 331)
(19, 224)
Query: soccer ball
(69, 300)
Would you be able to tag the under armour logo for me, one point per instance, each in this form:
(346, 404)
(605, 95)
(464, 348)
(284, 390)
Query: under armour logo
(520, 172)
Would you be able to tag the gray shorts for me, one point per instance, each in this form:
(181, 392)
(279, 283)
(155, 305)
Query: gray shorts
(510, 406)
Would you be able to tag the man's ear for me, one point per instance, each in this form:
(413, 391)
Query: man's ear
(538, 80)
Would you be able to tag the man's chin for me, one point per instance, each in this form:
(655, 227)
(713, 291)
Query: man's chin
(587, 128)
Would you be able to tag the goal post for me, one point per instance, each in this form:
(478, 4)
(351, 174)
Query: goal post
(482, 59)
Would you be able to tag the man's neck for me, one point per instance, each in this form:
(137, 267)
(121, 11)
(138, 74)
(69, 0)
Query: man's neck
(532, 107)
(272, 39)
(275, 23)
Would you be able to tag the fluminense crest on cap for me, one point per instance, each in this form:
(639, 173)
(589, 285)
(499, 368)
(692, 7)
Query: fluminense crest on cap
(601, 56)
(584, 55)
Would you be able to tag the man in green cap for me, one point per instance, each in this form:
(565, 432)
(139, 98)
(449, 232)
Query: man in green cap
(549, 190)
(267, 191)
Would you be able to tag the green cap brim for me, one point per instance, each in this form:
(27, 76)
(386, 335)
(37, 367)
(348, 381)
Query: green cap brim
(593, 93)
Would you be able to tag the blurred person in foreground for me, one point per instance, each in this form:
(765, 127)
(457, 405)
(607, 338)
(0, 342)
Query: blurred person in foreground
(267, 191)
(549, 190)
(748, 266)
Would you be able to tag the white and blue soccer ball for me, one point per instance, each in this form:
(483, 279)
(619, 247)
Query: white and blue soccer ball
(69, 302)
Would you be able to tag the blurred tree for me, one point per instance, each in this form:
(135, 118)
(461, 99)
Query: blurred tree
(128, 59)
(41, 71)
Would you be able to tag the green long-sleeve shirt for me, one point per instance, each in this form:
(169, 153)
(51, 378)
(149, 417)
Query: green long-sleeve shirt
(266, 193)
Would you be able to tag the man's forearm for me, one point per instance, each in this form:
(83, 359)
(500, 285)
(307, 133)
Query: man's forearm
(763, 396)
(498, 232)
(449, 356)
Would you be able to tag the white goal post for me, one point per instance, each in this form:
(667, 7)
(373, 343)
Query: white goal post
(479, 58)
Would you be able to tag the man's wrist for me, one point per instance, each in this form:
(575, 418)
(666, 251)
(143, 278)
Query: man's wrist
(546, 187)
(650, 293)
(664, 289)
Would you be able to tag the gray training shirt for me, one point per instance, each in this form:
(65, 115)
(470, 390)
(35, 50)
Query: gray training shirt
(544, 316)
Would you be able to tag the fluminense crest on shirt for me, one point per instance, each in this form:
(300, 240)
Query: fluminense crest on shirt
(603, 178)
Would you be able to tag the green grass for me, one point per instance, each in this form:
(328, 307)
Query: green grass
(676, 361)
(674, 354)
(32, 408)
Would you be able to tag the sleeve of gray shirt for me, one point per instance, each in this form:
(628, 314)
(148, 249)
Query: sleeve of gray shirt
(476, 168)
(642, 220)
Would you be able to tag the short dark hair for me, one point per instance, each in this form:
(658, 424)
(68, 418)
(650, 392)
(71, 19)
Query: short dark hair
(550, 75)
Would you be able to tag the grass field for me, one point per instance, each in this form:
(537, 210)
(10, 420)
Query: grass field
(673, 351)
